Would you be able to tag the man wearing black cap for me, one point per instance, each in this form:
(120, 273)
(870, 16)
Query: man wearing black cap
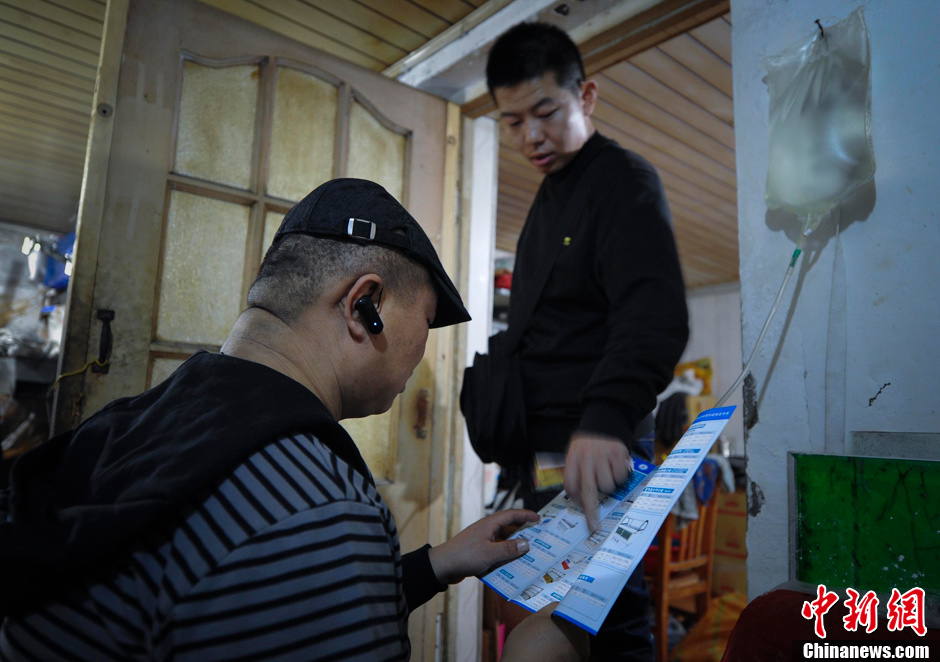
(225, 514)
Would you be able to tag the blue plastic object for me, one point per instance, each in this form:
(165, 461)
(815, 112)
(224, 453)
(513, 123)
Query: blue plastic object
(56, 277)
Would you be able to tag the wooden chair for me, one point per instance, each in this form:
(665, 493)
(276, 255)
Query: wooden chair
(682, 569)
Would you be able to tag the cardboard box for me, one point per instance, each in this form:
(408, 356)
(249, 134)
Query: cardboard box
(697, 404)
(731, 527)
(729, 569)
(732, 503)
(729, 575)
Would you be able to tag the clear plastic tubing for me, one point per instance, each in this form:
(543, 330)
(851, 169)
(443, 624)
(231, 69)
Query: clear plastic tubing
(763, 331)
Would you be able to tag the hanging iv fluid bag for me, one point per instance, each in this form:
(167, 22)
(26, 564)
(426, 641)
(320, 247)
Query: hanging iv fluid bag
(820, 139)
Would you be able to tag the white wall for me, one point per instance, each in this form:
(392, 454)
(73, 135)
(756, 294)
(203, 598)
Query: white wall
(715, 332)
(869, 306)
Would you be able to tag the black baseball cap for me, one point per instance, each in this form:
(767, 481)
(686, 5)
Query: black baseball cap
(363, 212)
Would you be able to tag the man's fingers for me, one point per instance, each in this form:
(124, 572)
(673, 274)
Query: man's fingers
(590, 512)
(498, 553)
(606, 482)
(513, 549)
(588, 496)
(621, 470)
(503, 523)
(572, 481)
(514, 516)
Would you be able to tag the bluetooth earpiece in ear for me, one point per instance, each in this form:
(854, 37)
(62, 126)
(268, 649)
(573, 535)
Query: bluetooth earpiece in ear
(369, 314)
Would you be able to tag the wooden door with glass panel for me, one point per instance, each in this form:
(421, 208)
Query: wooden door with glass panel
(236, 173)
(219, 128)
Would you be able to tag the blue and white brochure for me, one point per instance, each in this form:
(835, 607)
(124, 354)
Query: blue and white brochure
(585, 572)
(560, 544)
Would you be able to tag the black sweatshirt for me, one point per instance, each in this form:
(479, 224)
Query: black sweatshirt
(79, 502)
(611, 322)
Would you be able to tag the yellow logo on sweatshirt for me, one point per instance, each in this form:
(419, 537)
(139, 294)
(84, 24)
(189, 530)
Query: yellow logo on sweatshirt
(566, 241)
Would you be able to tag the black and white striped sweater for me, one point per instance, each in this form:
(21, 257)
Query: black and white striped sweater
(291, 555)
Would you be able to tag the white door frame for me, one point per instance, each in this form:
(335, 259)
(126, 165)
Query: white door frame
(478, 213)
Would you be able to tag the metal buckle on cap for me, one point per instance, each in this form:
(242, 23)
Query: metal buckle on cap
(354, 229)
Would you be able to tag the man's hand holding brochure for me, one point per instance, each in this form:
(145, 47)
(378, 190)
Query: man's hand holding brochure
(584, 570)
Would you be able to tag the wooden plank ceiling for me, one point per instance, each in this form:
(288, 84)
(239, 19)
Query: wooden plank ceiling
(673, 105)
(49, 57)
(48, 61)
(372, 33)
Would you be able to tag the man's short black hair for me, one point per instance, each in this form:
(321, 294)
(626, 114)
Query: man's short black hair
(528, 51)
(298, 268)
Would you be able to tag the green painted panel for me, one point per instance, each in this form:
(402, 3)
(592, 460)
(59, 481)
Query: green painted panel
(868, 523)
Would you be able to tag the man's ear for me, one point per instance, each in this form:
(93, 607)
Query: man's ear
(369, 285)
(588, 97)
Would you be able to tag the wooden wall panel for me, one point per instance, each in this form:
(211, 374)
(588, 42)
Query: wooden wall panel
(664, 97)
(48, 61)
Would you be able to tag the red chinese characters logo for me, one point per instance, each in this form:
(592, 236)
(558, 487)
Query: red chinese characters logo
(817, 608)
(907, 610)
(862, 613)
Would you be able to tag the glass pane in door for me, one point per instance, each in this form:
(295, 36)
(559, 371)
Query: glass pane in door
(161, 368)
(203, 262)
(216, 132)
(272, 221)
(375, 151)
(302, 134)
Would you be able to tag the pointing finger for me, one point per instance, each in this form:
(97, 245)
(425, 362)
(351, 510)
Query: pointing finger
(572, 482)
(588, 496)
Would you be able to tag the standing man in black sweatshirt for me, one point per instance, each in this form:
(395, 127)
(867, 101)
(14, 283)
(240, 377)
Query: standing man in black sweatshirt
(597, 300)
